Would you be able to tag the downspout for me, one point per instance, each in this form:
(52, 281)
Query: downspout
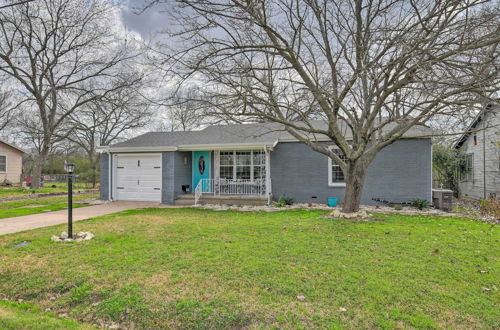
(110, 161)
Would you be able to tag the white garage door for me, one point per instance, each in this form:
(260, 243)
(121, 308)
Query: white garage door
(138, 178)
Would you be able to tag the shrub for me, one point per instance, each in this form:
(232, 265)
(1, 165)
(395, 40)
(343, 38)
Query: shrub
(6, 183)
(398, 207)
(420, 203)
(490, 207)
(284, 201)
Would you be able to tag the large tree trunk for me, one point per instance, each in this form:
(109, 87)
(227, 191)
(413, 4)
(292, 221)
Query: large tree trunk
(38, 168)
(36, 175)
(355, 179)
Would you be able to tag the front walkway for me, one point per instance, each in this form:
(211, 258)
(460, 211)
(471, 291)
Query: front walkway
(32, 221)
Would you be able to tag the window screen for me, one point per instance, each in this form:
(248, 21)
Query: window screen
(3, 163)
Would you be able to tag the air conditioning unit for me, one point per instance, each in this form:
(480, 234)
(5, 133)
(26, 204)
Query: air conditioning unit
(442, 199)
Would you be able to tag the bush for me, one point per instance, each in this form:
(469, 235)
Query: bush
(490, 207)
(447, 163)
(420, 204)
(284, 201)
(398, 207)
(6, 183)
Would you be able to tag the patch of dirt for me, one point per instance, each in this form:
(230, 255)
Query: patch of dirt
(32, 206)
(409, 211)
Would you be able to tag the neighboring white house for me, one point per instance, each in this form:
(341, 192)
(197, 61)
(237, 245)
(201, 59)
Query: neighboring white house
(480, 176)
(11, 163)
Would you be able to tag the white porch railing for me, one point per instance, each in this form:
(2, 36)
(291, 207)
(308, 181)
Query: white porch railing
(229, 187)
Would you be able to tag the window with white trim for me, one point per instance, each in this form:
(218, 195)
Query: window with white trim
(467, 168)
(335, 174)
(242, 165)
(3, 163)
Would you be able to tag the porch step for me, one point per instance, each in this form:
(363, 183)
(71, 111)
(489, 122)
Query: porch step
(188, 199)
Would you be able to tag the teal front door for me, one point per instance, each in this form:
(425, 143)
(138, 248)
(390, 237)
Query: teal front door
(201, 169)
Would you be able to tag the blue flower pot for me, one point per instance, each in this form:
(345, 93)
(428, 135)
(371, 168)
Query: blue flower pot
(332, 201)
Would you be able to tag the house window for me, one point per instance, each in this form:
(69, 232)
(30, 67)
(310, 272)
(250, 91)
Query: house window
(242, 165)
(227, 165)
(3, 163)
(467, 168)
(335, 174)
(259, 165)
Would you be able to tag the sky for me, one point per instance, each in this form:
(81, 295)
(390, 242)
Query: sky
(148, 23)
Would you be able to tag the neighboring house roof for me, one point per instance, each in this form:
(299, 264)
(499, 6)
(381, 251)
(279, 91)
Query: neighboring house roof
(490, 108)
(13, 146)
(265, 134)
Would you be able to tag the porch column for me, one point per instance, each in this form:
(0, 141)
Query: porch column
(216, 171)
(268, 174)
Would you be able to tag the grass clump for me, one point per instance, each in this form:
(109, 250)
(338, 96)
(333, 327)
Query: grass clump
(15, 316)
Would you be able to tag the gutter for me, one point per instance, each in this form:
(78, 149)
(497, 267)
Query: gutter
(107, 149)
(224, 146)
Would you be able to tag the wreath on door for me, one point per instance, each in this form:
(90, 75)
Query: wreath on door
(201, 164)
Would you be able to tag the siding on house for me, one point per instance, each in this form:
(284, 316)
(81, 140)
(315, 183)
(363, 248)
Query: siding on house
(104, 176)
(473, 188)
(14, 164)
(399, 173)
(182, 171)
(167, 168)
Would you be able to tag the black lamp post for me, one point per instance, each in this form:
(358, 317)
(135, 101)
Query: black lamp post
(70, 167)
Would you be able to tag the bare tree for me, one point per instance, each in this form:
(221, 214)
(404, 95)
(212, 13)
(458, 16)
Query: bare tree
(369, 70)
(14, 3)
(182, 112)
(58, 52)
(107, 120)
(5, 110)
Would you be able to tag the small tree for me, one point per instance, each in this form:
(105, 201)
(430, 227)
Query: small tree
(370, 68)
(447, 163)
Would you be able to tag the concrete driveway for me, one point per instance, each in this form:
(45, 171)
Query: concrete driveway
(32, 221)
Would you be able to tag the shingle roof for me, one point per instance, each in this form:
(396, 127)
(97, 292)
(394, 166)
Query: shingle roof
(256, 133)
(490, 108)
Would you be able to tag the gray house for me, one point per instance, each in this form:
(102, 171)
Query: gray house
(257, 162)
(480, 145)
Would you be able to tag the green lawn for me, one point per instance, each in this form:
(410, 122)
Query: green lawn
(39, 205)
(26, 316)
(6, 192)
(193, 268)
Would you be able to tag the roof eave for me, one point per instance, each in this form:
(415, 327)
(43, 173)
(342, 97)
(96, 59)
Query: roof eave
(107, 149)
(14, 147)
(225, 146)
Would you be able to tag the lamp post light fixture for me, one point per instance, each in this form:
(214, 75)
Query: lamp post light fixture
(70, 168)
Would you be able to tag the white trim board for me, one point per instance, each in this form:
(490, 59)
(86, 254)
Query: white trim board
(330, 164)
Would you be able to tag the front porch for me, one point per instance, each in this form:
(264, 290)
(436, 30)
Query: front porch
(238, 176)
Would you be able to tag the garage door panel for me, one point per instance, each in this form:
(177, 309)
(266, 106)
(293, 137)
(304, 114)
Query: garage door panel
(138, 177)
